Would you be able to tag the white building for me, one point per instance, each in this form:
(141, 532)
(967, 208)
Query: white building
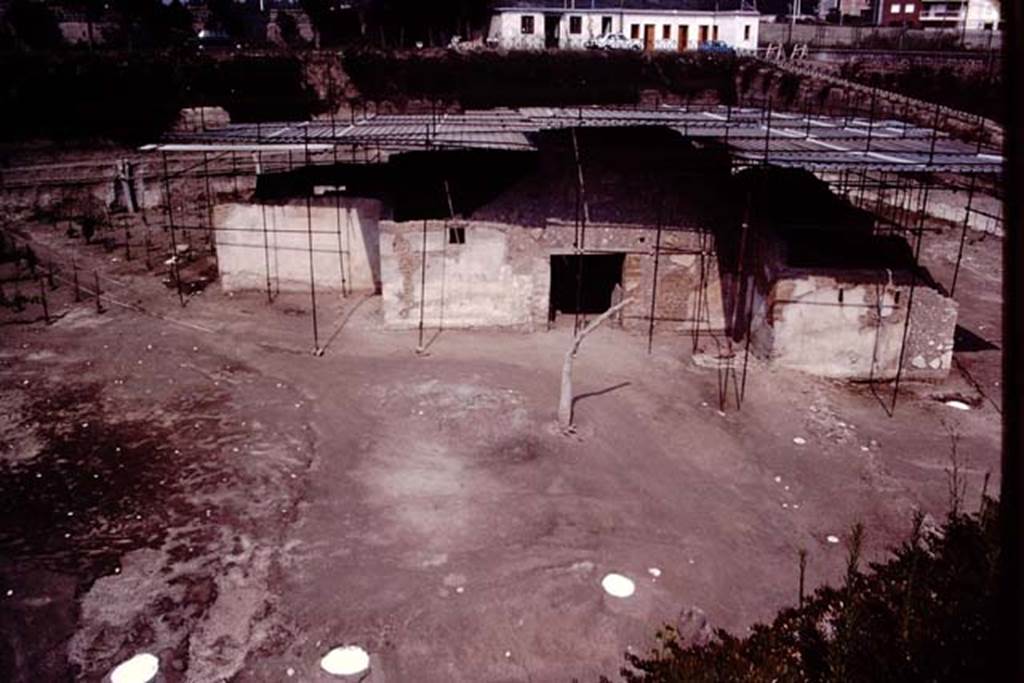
(667, 25)
(970, 15)
(983, 15)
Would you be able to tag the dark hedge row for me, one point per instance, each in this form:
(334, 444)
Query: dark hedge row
(135, 97)
(976, 88)
(491, 79)
(928, 614)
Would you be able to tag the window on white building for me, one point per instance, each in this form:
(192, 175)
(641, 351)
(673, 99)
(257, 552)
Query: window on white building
(908, 9)
(666, 31)
(575, 24)
(606, 25)
(894, 9)
(526, 25)
(746, 32)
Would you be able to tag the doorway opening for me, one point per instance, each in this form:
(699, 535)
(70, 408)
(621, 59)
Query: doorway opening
(684, 37)
(583, 283)
(551, 24)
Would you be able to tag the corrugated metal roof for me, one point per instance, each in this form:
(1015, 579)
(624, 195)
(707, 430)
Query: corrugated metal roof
(754, 136)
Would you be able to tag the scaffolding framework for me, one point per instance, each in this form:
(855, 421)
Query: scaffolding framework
(868, 155)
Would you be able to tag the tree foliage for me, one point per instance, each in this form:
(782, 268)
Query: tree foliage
(32, 25)
(151, 23)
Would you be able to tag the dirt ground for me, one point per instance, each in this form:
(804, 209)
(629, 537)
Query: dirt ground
(194, 482)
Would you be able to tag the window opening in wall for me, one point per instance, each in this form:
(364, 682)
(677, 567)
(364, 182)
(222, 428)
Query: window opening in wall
(714, 33)
(634, 31)
(746, 32)
(526, 25)
(666, 32)
(606, 24)
(583, 283)
(575, 24)
(456, 235)
(840, 295)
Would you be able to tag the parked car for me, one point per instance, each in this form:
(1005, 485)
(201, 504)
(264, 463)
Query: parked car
(208, 38)
(717, 47)
(614, 41)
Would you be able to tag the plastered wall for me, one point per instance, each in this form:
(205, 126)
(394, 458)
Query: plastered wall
(344, 238)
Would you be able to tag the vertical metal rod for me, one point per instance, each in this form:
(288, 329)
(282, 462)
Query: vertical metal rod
(749, 326)
(96, 280)
(423, 284)
(175, 272)
(337, 207)
(309, 234)
(210, 241)
(807, 113)
(963, 235)
(266, 240)
(935, 135)
(74, 274)
(46, 308)
(654, 281)
(581, 223)
(871, 118)
(910, 300)
(127, 242)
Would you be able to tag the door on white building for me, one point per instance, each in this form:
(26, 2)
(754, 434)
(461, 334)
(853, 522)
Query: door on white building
(551, 32)
(684, 37)
(648, 37)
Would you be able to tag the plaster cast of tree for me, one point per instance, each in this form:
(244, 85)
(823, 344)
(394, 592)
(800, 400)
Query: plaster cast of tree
(565, 400)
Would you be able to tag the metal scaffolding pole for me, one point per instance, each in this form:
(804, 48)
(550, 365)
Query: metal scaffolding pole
(910, 301)
(963, 235)
(312, 273)
(423, 285)
(175, 272)
(654, 281)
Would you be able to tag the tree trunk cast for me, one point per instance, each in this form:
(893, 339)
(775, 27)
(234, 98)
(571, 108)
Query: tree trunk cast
(565, 396)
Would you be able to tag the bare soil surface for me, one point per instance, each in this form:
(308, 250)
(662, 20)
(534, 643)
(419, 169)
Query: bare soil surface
(194, 482)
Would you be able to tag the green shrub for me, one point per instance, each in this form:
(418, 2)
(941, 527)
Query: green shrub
(927, 614)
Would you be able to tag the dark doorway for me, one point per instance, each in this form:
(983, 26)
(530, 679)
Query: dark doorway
(597, 275)
(551, 22)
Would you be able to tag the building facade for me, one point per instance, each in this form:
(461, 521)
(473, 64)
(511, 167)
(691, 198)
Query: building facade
(898, 13)
(961, 15)
(670, 25)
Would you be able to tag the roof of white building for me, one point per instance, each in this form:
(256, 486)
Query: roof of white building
(671, 6)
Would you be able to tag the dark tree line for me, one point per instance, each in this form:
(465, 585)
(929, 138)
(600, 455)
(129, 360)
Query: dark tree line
(152, 24)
